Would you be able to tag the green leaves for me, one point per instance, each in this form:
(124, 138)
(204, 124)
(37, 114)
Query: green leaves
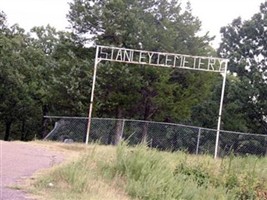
(244, 43)
(44, 73)
(143, 92)
(16, 77)
(49, 71)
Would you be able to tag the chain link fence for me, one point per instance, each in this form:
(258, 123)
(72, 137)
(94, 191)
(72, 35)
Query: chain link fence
(164, 136)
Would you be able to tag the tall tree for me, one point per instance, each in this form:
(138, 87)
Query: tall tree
(244, 43)
(44, 71)
(152, 25)
(3, 22)
(16, 77)
(64, 83)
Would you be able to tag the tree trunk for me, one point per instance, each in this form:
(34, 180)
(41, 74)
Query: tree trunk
(118, 127)
(146, 117)
(174, 142)
(22, 137)
(44, 131)
(265, 146)
(7, 132)
(144, 132)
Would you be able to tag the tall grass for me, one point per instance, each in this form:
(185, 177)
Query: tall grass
(143, 173)
(151, 174)
(81, 178)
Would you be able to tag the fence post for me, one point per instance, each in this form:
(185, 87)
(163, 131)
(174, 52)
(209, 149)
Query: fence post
(198, 140)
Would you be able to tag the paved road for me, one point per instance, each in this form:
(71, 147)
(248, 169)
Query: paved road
(19, 161)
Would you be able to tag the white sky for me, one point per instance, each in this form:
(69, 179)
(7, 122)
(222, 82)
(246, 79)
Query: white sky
(214, 14)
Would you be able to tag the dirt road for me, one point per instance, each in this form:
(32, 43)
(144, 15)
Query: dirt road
(19, 161)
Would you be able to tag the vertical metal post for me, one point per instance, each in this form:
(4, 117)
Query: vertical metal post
(220, 114)
(92, 96)
(198, 140)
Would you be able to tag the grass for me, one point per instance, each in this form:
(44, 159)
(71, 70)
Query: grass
(107, 172)
(79, 177)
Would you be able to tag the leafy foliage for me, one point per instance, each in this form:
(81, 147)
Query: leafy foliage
(40, 73)
(49, 72)
(152, 25)
(244, 43)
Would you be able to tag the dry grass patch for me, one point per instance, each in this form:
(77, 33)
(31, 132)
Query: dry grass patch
(79, 177)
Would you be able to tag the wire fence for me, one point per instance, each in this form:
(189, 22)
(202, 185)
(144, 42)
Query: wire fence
(163, 136)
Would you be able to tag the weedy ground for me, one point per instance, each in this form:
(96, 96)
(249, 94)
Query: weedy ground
(98, 172)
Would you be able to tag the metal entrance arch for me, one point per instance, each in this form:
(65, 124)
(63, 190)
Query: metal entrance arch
(159, 59)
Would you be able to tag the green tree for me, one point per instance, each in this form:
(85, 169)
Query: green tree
(244, 44)
(206, 113)
(16, 82)
(44, 71)
(71, 78)
(151, 25)
(3, 22)
(64, 83)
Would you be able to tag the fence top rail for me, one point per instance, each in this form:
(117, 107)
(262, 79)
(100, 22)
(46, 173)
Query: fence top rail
(64, 117)
(154, 122)
(243, 133)
(133, 120)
